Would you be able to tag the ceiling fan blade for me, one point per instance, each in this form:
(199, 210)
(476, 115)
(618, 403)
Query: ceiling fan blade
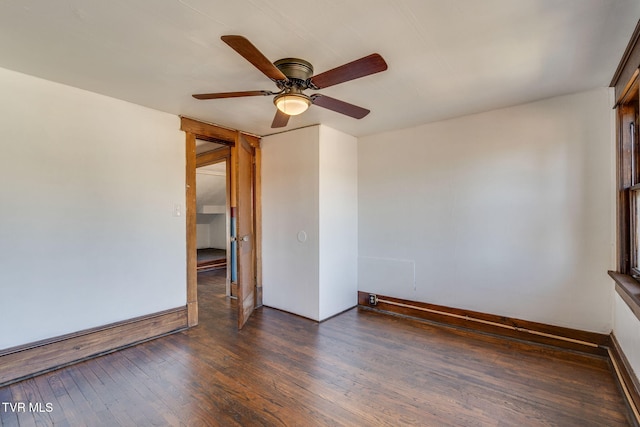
(253, 55)
(280, 120)
(339, 106)
(232, 94)
(371, 64)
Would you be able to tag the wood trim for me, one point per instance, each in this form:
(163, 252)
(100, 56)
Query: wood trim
(234, 172)
(208, 131)
(253, 140)
(39, 357)
(625, 115)
(628, 63)
(629, 290)
(626, 378)
(556, 336)
(257, 203)
(214, 156)
(245, 227)
(629, 90)
(228, 289)
(212, 265)
(192, 238)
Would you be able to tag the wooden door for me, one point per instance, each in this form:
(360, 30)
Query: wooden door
(245, 235)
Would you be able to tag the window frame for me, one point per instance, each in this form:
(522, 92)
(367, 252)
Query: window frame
(634, 231)
(626, 83)
(628, 166)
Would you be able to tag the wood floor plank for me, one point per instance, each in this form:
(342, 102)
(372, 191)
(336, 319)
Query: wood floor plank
(98, 393)
(148, 389)
(41, 409)
(66, 404)
(58, 417)
(188, 403)
(129, 404)
(7, 416)
(85, 386)
(25, 415)
(242, 392)
(358, 368)
(465, 369)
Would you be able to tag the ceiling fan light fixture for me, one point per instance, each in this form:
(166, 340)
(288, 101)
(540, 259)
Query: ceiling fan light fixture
(292, 104)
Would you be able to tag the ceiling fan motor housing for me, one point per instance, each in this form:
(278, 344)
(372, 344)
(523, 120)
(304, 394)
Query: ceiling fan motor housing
(295, 68)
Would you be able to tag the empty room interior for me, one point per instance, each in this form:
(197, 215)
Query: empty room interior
(318, 213)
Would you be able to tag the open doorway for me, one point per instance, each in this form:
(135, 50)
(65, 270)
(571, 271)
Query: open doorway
(213, 219)
(242, 154)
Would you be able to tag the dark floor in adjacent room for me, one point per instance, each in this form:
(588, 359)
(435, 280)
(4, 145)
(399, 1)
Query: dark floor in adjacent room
(357, 369)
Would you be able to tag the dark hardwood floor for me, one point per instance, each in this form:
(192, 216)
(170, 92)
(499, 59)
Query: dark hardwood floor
(357, 369)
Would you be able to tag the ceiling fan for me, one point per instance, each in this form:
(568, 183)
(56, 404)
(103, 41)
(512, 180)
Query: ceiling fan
(293, 75)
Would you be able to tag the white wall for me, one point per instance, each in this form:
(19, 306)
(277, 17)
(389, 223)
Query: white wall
(211, 231)
(203, 233)
(87, 232)
(338, 216)
(290, 269)
(309, 186)
(626, 329)
(505, 212)
(218, 231)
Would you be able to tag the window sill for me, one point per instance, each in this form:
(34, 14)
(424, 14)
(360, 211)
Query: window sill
(629, 290)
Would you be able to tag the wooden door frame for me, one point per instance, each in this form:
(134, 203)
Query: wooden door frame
(195, 129)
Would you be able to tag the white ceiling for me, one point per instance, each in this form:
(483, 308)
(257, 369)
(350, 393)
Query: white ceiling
(203, 146)
(211, 184)
(446, 58)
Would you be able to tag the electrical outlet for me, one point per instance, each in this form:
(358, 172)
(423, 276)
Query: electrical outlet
(373, 299)
(177, 209)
